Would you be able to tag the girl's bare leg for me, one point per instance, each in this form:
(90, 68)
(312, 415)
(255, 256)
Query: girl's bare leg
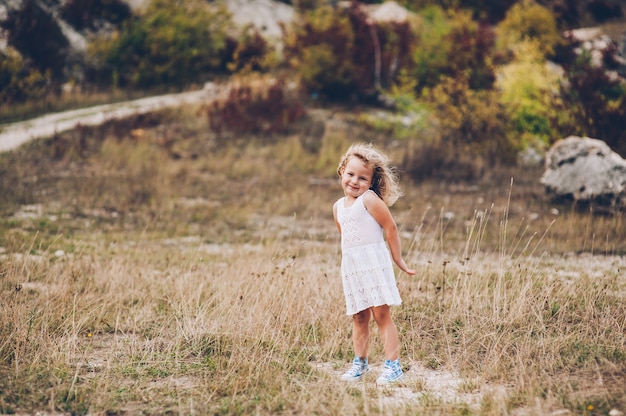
(361, 333)
(388, 331)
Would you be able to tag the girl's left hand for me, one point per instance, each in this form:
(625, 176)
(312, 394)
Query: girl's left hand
(406, 269)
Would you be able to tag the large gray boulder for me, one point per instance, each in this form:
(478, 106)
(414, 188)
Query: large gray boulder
(585, 170)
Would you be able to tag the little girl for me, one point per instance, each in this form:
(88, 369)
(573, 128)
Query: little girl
(369, 284)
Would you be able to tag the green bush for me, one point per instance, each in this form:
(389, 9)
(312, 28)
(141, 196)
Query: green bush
(320, 72)
(529, 91)
(19, 81)
(319, 47)
(469, 134)
(528, 21)
(472, 47)
(252, 53)
(174, 42)
(431, 53)
(339, 53)
(484, 10)
(451, 44)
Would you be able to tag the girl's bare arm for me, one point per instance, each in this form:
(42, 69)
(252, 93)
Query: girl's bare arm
(379, 210)
(335, 217)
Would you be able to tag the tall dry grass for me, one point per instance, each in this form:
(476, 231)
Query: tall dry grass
(133, 281)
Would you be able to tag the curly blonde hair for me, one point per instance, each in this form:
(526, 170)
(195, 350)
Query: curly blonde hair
(384, 179)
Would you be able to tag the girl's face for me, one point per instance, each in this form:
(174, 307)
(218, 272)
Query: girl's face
(356, 178)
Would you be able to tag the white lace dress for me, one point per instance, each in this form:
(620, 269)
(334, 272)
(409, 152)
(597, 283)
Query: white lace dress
(366, 267)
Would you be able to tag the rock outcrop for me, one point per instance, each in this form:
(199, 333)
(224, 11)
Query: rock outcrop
(585, 170)
(600, 42)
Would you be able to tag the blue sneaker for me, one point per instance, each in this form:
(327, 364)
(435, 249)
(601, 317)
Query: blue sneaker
(391, 373)
(359, 369)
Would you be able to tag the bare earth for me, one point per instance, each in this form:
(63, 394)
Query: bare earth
(420, 383)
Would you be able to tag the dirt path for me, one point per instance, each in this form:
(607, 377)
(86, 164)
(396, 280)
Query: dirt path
(14, 135)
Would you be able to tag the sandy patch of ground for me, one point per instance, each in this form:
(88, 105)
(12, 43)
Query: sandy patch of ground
(419, 384)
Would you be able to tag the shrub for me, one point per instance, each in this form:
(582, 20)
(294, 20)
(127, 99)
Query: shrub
(83, 14)
(570, 14)
(174, 43)
(334, 52)
(597, 102)
(19, 81)
(470, 133)
(319, 47)
(255, 105)
(487, 11)
(431, 53)
(605, 10)
(450, 45)
(471, 49)
(424, 4)
(528, 90)
(252, 53)
(34, 32)
(528, 21)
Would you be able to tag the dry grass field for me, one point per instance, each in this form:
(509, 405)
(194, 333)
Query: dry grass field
(146, 268)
